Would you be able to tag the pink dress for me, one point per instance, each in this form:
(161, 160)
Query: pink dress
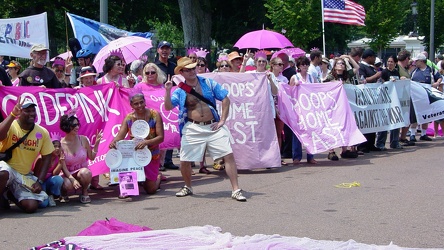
(74, 162)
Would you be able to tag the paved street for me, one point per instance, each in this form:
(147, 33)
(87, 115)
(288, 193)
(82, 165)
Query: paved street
(400, 200)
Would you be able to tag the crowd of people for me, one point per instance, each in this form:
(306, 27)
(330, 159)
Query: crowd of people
(59, 164)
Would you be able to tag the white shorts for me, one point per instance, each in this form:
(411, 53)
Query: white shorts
(198, 138)
(15, 185)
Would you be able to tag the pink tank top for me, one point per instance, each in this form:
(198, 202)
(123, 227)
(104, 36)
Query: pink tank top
(76, 161)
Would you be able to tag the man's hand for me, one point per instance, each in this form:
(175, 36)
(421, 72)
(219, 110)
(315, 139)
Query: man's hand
(217, 125)
(36, 187)
(168, 84)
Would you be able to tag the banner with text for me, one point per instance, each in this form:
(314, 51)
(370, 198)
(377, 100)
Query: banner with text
(428, 102)
(94, 35)
(250, 120)
(98, 107)
(319, 115)
(376, 106)
(17, 35)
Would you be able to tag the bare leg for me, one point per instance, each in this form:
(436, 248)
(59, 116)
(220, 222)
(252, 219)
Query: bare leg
(84, 177)
(152, 186)
(185, 170)
(231, 170)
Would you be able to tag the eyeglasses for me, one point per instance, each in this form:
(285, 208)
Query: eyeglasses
(188, 70)
(75, 125)
(262, 61)
(201, 65)
(279, 64)
(150, 72)
(225, 66)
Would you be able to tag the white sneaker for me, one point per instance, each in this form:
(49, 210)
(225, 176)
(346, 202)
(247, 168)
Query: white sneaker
(237, 195)
(184, 191)
(51, 201)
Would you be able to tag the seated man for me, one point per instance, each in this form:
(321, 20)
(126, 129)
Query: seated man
(201, 127)
(23, 188)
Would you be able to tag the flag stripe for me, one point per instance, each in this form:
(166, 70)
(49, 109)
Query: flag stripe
(351, 13)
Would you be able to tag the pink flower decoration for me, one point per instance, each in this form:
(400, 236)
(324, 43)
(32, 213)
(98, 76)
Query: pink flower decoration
(39, 136)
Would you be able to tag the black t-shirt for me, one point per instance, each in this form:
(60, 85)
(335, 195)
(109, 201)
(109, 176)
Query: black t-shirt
(289, 72)
(167, 69)
(386, 74)
(367, 71)
(33, 76)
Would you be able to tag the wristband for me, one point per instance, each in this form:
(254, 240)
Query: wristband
(13, 114)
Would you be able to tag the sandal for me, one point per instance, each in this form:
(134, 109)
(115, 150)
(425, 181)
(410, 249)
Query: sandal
(85, 199)
(204, 170)
(64, 199)
(219, 165)
(283, 163)
(124, 196)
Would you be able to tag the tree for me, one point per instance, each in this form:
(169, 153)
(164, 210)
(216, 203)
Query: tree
(300, 19)
(196, 22)
(424, 22)
(383, 22)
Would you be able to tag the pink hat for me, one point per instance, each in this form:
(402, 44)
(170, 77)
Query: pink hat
(58, 61)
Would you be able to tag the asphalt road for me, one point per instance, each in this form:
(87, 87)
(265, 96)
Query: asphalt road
(400, 200)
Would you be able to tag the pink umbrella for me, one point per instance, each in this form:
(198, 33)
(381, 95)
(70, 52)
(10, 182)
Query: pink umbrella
(63, 55)
(262, 39)
(132, 47)
(291, 52)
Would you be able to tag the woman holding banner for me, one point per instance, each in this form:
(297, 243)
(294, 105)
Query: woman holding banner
(301, 77)
(114, 69)
(152, 141)
(276, 68)
(339, 73)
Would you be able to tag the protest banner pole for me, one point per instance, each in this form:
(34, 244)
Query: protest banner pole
(323, 27)
(66, 31)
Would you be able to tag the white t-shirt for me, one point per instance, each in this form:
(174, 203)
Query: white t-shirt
(315, 72)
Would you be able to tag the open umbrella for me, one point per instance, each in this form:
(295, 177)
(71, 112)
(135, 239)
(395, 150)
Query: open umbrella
(262, 39)
(63, 55)
(132, 47)
(291, 52)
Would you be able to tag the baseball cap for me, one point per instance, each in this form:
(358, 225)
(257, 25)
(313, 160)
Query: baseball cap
(420, 56)
(164, 43)
(38, 47)
(28, 103)
(368, 53)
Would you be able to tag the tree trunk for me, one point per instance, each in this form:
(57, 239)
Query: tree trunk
(196, 23)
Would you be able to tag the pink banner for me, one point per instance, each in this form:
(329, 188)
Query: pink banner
(319, 115)
(99, 107)
(250, 120)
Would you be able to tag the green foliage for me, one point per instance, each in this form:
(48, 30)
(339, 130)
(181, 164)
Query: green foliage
(423, 21)
(300, 18)
(167, 31)
(384, 19)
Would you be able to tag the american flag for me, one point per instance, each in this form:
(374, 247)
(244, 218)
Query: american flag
(344, 11)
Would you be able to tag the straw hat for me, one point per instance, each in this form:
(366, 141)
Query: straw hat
(184, 62)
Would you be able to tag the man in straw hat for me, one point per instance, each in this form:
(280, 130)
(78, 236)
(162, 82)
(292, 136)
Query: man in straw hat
(200, 125)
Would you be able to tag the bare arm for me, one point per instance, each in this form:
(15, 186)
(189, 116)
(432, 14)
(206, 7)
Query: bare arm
(167, 99)
(159, 135)
(6, 123)
(121, 135)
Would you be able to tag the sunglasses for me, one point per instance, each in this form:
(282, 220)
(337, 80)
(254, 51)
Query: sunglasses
(188, 70)
(59, 70)
(150, 72)
(279, 64)
(225, 66)
(75, 125)
(261, 61)
(201, 65)
(192, 57)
